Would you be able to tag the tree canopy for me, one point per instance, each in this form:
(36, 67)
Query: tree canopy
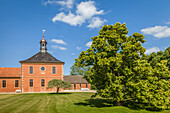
(58, 84)
(155, 58)
(118, 71)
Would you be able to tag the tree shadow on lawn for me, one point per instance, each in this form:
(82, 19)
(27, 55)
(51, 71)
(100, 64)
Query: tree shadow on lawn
(52, 93)
(100, 103)
(59, 93)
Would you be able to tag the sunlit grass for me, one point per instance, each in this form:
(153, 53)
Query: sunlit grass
(61, 103)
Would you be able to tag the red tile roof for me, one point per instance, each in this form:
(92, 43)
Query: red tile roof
(42, 57)
(10, 72)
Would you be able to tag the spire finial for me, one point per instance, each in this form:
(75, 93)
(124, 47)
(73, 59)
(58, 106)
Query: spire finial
(43, 33)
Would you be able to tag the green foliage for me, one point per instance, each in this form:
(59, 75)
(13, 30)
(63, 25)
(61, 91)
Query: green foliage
(118, 71)
(78, 70)
(155, 58)
(58, 84)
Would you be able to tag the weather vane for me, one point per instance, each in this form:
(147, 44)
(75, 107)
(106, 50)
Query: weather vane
(43, 33)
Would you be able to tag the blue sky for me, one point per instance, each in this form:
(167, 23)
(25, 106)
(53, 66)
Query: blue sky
(70, 24)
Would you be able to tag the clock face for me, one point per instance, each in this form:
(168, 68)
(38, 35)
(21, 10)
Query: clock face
(42, 68)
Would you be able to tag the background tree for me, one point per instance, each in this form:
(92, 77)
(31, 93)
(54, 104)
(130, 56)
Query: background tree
(84, 71)
(79, 70)
(58, 84)
(118, 72)
(155, 58)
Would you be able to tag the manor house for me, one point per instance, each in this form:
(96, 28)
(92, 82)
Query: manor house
(35, 73)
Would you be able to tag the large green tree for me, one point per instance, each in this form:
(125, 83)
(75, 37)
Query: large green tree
(118, 72)
(58, 84)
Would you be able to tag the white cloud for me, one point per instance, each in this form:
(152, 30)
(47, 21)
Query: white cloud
(85, 11)
(71, 19)
(72, 53)
(58, 41)
(157, 31)
(167, 22)
(96, 22)
(58, 47)
(78, 48)
(153, 49)
(67, 3)
(88, 44)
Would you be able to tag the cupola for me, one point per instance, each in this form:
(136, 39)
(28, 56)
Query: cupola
(43, 44)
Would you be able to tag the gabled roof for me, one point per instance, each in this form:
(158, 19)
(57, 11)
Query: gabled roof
(42, 57)
(10, 72)
(72, 79)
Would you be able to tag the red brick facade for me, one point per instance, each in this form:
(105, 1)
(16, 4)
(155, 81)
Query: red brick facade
(10, 75)
(78, 86)
(10, 84)
(38, 75)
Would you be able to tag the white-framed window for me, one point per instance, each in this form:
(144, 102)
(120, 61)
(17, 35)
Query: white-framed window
(54, 70)
(42, 82)
(31, 82)
(16, 83)
(4, 83)
(31, 69)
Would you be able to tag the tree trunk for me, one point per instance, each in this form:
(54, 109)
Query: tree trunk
(119, 103)
(57, 90)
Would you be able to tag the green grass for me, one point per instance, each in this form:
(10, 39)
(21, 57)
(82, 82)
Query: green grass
(61, 103)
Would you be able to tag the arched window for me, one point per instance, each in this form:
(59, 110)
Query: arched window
(42, 82)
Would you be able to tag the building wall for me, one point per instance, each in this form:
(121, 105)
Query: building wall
(10, 85)
(78, 86)
(38, 75)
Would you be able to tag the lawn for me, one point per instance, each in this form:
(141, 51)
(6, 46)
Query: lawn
(61, 103)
